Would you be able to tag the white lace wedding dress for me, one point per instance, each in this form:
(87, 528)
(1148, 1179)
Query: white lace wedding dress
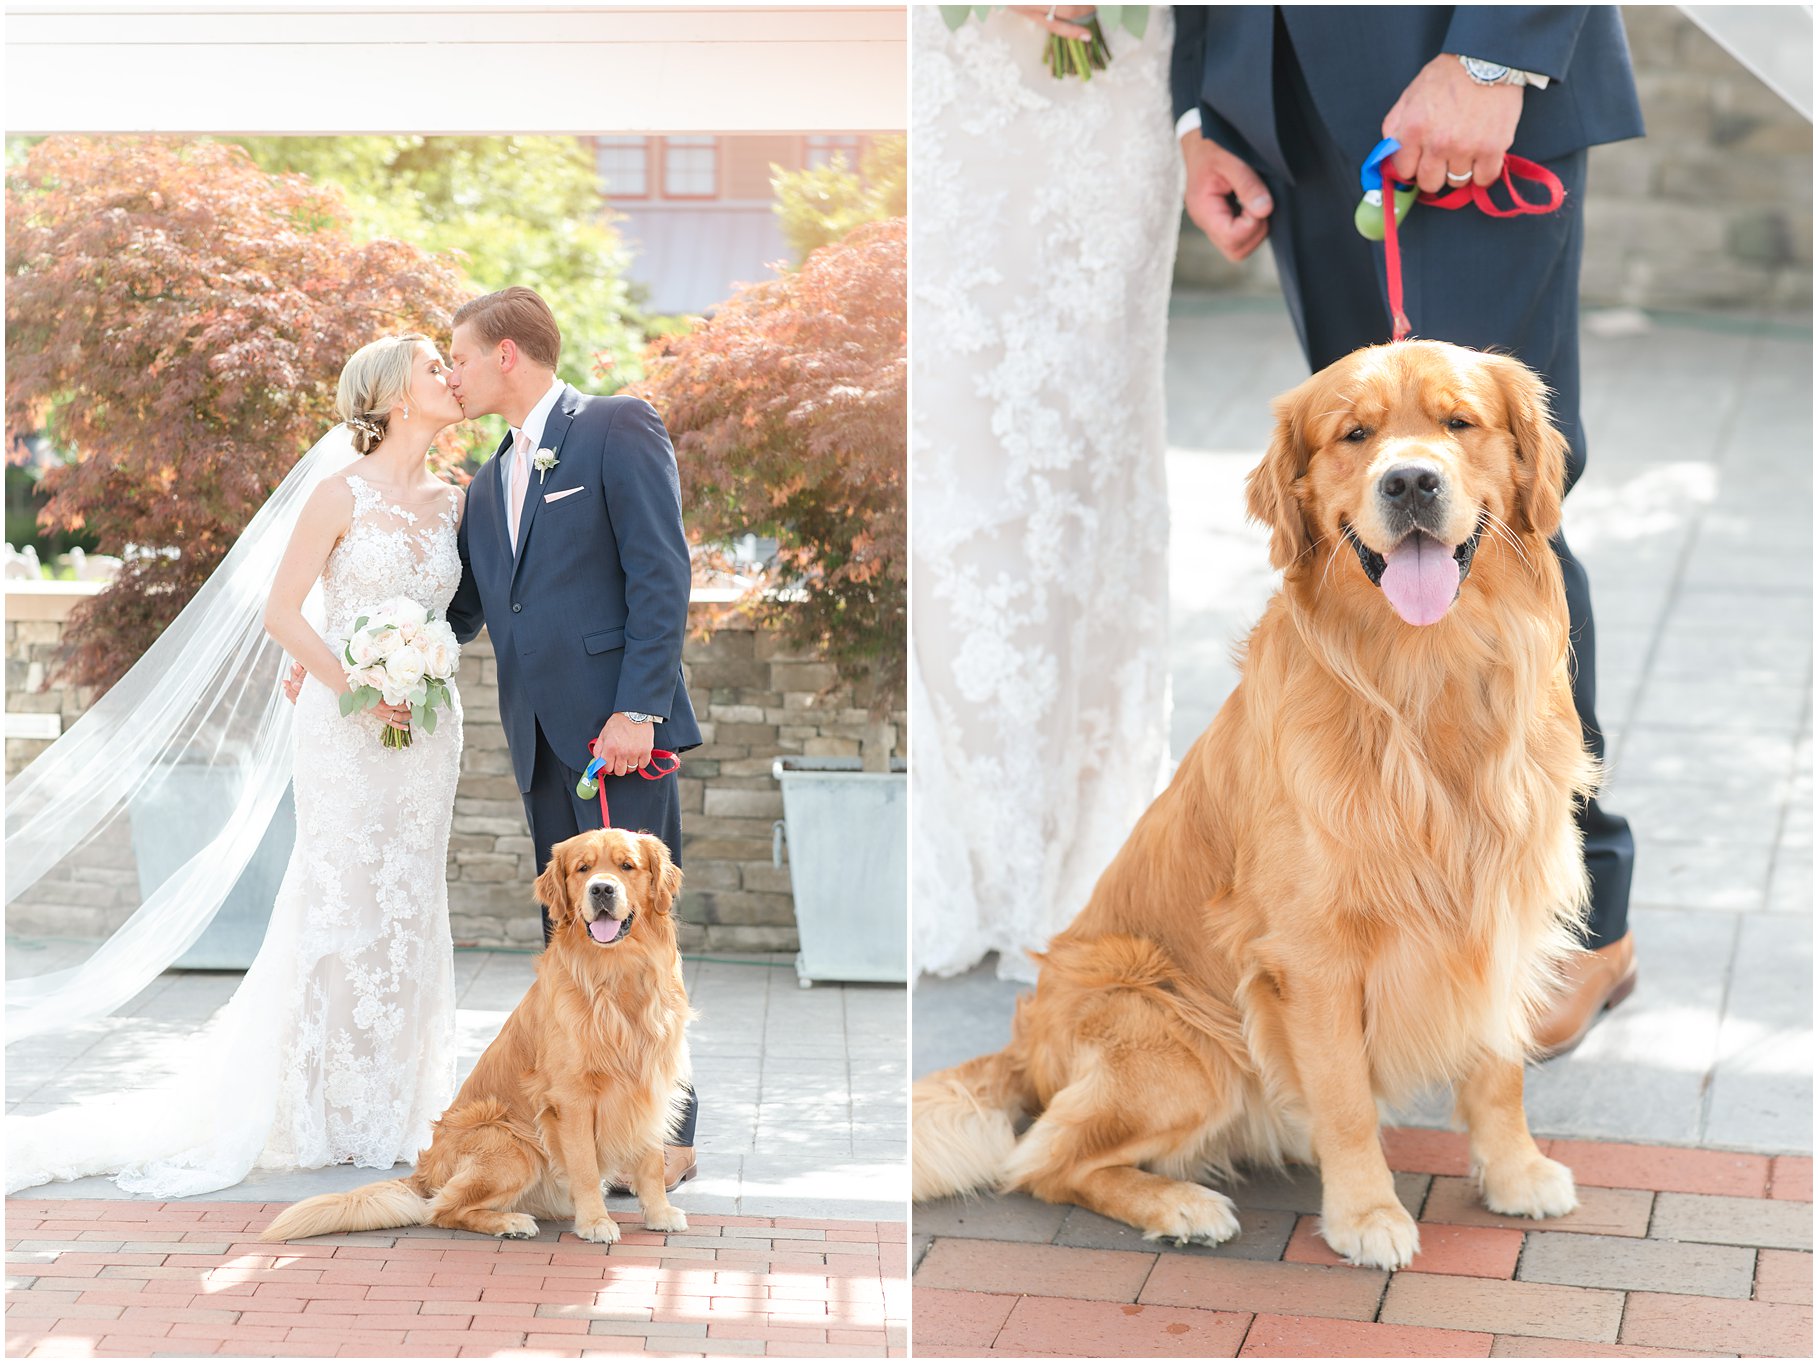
(338, 1046)
(1045, 223)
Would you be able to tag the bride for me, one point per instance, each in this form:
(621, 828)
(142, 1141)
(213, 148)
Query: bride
(338, 1046)
(1046, 217)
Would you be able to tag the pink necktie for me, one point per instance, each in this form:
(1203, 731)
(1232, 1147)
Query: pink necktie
(520, 484)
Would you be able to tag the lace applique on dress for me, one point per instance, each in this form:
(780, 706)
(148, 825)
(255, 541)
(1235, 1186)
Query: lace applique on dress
(1045, 224)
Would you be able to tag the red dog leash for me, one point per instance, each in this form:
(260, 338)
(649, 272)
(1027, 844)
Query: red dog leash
(662, 763)
(1513, 167)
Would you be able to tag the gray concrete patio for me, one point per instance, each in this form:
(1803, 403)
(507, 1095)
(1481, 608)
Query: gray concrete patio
(802, 1090)
(1695, 523)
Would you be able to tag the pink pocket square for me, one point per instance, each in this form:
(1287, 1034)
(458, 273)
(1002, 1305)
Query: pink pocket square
(557, 496)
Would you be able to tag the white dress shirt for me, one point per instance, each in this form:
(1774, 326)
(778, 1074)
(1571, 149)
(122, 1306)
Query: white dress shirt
(534, 424)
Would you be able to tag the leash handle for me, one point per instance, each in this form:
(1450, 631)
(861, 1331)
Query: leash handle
(662, 763)
(1377, 166)
(1513, 168)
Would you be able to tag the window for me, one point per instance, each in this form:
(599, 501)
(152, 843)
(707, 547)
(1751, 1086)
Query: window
(691, 167)
(624, 165)
(820, 150)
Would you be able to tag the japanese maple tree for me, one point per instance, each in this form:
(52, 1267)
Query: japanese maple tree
(176, 320)
(789, 411)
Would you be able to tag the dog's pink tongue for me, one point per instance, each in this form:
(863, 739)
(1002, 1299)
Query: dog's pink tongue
(604, 929)
(1421, 579)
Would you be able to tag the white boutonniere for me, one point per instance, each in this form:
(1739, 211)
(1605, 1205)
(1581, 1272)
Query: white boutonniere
(543, 461)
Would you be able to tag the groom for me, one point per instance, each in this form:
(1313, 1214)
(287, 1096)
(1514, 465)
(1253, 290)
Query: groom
(574, 557)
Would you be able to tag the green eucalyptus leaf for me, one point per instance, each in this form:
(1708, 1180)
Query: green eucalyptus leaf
(350, 701)
(419, 696)
(955, 15)
(428, 720)
(1136, 19)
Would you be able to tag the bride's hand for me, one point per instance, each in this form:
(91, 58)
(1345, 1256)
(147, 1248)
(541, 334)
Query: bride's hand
(293, 684)
(1054, 18)
(395, 716)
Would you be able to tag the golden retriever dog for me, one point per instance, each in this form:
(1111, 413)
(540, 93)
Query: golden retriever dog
(1365, 874)
(579, 1083)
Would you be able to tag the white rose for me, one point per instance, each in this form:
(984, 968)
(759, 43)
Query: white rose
(404, 612)
(386, 642)
(438, 658)
(409, 631)
(361, 646)
(395, 694)
(405, 667)
(371, 676)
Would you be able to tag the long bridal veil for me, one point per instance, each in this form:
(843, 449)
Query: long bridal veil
(205, 695)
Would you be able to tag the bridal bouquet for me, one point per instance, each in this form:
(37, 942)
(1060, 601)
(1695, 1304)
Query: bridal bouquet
(398, 655)
(1070, 56)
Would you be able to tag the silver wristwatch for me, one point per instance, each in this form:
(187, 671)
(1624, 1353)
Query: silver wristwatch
(1495, 73)
(638, 717)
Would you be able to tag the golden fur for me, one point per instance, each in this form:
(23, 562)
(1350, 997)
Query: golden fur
(580, 1083)
(1362, 878)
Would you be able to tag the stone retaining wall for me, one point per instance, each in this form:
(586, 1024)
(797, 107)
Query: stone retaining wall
(756, 700)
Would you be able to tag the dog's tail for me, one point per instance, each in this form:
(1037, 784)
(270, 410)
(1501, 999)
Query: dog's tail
(964, 1122)
(377, 1206)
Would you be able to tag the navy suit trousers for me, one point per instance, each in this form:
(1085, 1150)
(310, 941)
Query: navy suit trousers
(1504, 283)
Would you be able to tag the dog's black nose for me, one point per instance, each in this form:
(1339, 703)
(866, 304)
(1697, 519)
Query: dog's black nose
(602, 889)
(1410, 486)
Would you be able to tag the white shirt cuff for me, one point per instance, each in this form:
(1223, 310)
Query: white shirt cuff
(1187, 123)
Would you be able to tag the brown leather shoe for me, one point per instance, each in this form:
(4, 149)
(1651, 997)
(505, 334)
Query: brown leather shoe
(678, 1168)
(1595, 982)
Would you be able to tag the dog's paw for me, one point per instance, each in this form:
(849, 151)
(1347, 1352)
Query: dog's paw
(1539, 1188)
(665, 1218)
(517, 1226)
(605, 1231)
(1200, 1216)
(1375, 1237)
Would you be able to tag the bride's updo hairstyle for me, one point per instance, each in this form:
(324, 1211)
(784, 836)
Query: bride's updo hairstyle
(373, 381)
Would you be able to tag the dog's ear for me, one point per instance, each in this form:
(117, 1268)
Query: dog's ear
(552, 888)
(665, 875)
(1540, 450)
(1273, 485)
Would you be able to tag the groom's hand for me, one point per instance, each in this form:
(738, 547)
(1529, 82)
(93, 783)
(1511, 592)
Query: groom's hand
(625, 746)
(1213, 174)
(1445, 121)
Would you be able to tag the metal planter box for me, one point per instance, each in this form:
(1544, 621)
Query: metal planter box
(848, 834)
(160, 833)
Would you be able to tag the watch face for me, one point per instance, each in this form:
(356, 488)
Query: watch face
(1485, 73)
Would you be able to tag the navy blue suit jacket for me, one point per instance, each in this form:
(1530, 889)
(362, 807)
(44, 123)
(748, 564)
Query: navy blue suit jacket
(1359, 58)
(588, 618)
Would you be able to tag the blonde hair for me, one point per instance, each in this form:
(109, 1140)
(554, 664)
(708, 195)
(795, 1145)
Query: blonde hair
(375, 379)
(520, 314)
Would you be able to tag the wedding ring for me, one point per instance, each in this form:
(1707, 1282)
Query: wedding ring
(1458, 179)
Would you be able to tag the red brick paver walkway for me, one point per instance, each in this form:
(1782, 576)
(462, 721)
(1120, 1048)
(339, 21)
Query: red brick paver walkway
(1671, 1252)
(131, 1279)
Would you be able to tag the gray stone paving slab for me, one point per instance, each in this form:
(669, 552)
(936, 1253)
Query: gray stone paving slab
(1261, 1235)
(1694, 522)
(1624, 1264)
(812, 1133)
(1761, 1094)
(1013, 1216)
(1715, 875)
